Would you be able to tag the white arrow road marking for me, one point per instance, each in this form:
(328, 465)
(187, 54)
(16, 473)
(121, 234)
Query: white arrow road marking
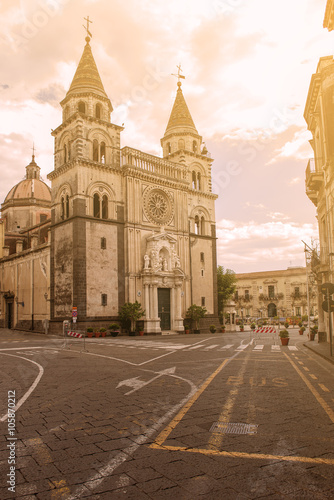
(138, 384)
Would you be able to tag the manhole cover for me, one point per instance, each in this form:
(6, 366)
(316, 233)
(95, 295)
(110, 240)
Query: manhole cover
(230, 428)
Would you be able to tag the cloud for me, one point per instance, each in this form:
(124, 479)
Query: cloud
(52, 94)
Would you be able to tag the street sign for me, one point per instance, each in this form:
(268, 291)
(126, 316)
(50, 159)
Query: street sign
(327, 288)
(74, 312)
(325, 305)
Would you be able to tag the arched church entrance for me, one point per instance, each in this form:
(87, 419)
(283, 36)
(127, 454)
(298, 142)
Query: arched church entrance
(272, 310)
(164, 308)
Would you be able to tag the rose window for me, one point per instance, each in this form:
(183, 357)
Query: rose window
(158, 206)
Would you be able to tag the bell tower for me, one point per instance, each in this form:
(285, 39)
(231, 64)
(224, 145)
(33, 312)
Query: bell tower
(86, 191)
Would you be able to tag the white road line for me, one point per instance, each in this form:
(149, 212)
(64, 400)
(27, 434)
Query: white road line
(228, 346)
(258, 348)
(194, 347)
(241, 347)
(32, 387)
(210, 347)
(292, 348)
(275, 348)
(21, 348)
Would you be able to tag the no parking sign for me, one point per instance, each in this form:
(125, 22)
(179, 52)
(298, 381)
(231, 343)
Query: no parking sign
(74, 314)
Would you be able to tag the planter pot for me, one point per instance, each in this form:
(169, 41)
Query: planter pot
(312, 335)
(97, 334)
(141, 333)
(103, 334)
(90, 335)
(241, 329)
(186, 332)
(223, 330)
(197, 331)
(285, 340)
(114, 333)
(301, 332)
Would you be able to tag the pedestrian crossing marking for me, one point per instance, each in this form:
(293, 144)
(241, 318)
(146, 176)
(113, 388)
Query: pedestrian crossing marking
(194, 347)
(211, 347)
(241, 347)
(258, 348)
(225, 347)
(292, 348)
(275, 348)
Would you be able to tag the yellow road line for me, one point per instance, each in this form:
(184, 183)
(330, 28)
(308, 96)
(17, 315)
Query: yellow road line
(237, 454)
(323, 387)
(167, 430)
(315, 393)
(313, 376)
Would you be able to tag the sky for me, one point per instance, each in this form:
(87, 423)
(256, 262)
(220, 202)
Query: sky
(248, 66)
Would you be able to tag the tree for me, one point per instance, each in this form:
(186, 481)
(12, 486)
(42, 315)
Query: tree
(131, 312)
(226, 286)
(195, 313)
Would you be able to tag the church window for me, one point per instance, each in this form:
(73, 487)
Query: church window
(96, 203)
(202, 256)
(68, 151)
(193, 180)
(95, 150)
(202, 225)
(104, 299)
(62, 208)
(103, 243)
(181, 144)
(65, 153)
(197, 225)
(202, 272)
(203, 301)
(103, 152)
(82, 107)
(198, 181)
(169, 149)
(67, 207)
(98, 111)
(271, 291)
(105, 207)
(194, 146)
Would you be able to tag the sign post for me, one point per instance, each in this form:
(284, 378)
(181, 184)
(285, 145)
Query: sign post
(327, 289)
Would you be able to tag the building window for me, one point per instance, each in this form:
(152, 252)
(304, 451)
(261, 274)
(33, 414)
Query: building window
(95, 150)
(65, 153)
(236, 295)
(169, 149)
(82, 107)
(298, 311)
(194, 146)
(105, 207)
(103, 243)
(247, 294)
(271, 291)
(193, 180)
(202, 272)
(297, 294)
(203, 301)
(202, 225)
(202, 256)
(197, 225)
(103, 152)
(98, 111)
(104, 299)
(198, 181)
(65, 207)
(96, 203)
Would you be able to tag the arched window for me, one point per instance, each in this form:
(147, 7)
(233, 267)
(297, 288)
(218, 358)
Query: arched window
(95, 150)
(82, 107)
(169, 148)
(96, 208)
(198, 181)
(193, 177)
(197, 231)
(98, 110)
(103, 152)
(194, 146)
(105, 207)
(68, 151)
(181, 144)
(67, 207)
(202, 225)
(62, 208)
(65, 153)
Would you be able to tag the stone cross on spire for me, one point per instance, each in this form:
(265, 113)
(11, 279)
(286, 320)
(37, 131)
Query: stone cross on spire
(87, 27)
(178, 75)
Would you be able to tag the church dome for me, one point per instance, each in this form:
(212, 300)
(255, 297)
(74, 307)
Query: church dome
(30, 187)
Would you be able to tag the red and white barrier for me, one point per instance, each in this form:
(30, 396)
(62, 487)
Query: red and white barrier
(265, 329)
(75, 334)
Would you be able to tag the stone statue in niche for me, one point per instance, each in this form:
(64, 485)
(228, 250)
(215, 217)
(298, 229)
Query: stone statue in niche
(146, 261)
(164, 265)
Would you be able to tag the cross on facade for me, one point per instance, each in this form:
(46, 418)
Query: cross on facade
(178, 75)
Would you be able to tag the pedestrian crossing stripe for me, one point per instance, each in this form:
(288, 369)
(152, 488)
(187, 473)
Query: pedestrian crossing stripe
(258, 348)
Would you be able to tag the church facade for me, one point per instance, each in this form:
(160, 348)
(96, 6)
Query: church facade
(119, 225)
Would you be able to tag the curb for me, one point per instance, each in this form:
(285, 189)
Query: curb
(331, 360)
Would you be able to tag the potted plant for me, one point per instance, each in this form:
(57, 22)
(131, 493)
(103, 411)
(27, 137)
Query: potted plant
(103, 332)
(129, 313)
(90, 332)
(241, 326)
(301, 330)
(223, 328)
(313, 332)
(212, 328)
(114, 329)
(253, 326)
(284, 335)
(195, 313)
(186, 329)
(97, 333)
(286, 324)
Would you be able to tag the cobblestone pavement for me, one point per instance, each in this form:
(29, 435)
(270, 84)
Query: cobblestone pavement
(221, 416)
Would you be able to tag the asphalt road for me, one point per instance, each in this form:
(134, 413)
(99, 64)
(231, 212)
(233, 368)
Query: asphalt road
(221, 416)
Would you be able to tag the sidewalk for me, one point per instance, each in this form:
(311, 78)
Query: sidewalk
(322, 349)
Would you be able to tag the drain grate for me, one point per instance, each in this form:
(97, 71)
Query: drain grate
(230, 428)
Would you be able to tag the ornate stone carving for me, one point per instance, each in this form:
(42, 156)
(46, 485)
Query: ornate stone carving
(158, 205)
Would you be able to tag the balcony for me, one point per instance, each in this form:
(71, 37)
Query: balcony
(153, 164)
(313, 180)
